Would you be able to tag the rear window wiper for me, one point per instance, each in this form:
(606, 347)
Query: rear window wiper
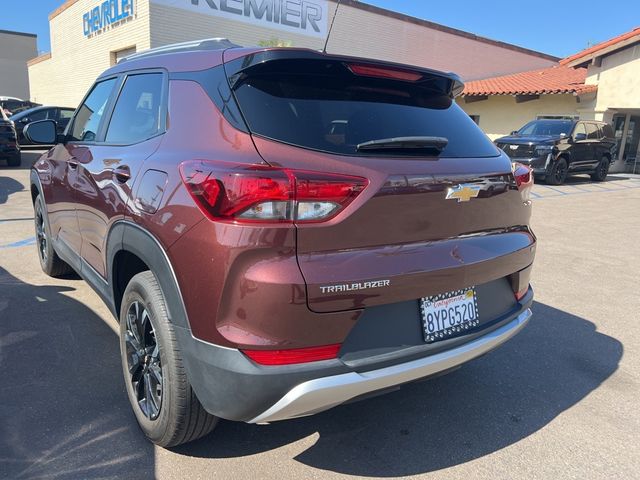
(415, 144)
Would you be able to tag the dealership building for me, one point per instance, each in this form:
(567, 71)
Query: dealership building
(88, 36)
(16, 49)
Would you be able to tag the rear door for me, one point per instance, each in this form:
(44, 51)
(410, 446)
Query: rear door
(581, 149)
(594, 138)
(428, 221)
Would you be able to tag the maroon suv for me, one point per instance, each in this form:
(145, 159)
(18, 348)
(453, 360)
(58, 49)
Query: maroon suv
(280, 231)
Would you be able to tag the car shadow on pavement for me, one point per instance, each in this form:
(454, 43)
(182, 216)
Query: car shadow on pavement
(487, 405)
(64, 413)
(8, 186)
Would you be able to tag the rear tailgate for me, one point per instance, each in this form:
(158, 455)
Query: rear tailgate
(427, 222)
(402, 239)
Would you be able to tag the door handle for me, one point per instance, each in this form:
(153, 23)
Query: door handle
(122, 173)
(73, 163)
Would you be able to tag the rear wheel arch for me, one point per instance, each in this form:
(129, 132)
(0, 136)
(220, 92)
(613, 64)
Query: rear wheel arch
(35, 187)
(130, 250)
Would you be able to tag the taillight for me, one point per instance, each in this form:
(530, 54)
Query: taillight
(253, 193)
(367, 70)
(524, 179)
(293, 356)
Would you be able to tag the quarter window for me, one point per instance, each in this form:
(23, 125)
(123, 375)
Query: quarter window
(136, 116)
(87, 121)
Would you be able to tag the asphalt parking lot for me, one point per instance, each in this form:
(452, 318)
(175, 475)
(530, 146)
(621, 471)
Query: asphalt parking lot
(558, 401)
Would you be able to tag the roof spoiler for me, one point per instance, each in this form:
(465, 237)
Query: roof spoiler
(235, 68)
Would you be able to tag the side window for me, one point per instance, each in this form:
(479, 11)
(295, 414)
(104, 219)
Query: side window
(64, 117)
(579, 130)
(592, 131)
(39, 115)
(87, 121)
(136, 116)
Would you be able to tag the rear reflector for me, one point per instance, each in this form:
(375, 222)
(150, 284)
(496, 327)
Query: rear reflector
(384, 72)
(520, 295)
(293, 356)
(256, 193)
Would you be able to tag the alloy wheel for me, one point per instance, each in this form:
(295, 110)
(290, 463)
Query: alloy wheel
(41, 235)
(143, 360)
(604, 167)
(560, 173)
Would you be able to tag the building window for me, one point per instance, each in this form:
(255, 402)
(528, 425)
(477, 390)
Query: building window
(118, 55)
(475, 118)
(557, 117)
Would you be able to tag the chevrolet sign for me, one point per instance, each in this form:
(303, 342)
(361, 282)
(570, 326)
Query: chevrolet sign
(305, 17)
(106, 14)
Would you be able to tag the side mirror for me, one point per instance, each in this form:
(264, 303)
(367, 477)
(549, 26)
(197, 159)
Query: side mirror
(578, 137)
(515, 132)
(42, 132)
(25, 120)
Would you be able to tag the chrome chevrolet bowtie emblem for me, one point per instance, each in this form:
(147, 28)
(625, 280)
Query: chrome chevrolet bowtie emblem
(463, 192)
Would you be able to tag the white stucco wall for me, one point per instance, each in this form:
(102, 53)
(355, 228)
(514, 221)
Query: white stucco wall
(500, 114)
(618, 80)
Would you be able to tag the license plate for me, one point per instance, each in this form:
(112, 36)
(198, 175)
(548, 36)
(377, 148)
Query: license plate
(449, 314)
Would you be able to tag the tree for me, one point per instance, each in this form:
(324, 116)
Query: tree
(275, 42)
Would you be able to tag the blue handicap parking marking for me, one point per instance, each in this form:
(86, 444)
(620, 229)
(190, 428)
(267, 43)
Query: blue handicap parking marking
(20, 243)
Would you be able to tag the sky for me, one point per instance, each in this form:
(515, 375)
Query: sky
(558, 28)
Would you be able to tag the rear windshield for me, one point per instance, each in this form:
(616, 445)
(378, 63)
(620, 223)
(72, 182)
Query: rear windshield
(547, 127)
(322, 105)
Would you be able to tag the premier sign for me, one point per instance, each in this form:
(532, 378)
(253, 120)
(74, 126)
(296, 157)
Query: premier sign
(306, 17)
(107, 14)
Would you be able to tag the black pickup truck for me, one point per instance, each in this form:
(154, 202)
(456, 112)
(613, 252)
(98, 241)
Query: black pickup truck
(555, 149)
(9, 148)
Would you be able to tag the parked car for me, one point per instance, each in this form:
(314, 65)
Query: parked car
(12, 105)
(260, 267)
(555, 149)
(61, 115)
(9, 148)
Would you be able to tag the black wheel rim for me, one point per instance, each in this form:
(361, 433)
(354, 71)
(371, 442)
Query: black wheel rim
(561, 171)
(41, 235)
(603, 169)
(143, 360)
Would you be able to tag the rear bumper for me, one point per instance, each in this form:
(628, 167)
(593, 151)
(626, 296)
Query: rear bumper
(8, 150)
(320, 394)
(231, 386)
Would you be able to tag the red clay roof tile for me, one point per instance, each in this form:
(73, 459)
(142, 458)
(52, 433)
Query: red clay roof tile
(602, 46)
(552, 80)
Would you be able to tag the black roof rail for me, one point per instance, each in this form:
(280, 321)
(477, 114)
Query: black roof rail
(191, 46)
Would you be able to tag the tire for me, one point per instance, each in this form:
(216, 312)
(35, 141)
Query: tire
(15, 160)
(558, 173)
(50, 263)
(162, 399)
(602, 170)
